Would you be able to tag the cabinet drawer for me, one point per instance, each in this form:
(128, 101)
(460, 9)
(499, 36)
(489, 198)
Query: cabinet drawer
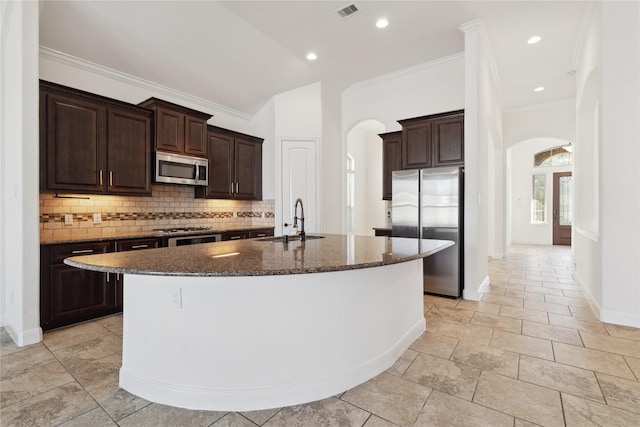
(234, 235)
(138, 244)
(260, 233)
(60, 252)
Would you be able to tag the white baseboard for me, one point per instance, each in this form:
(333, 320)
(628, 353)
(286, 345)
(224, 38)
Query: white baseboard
(24, 338)
(474, 294)
(608, 316)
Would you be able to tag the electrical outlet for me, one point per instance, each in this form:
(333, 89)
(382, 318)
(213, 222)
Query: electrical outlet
(262, 215)
(235, 214)
(97, 218)
(175, 297)
(68, 219)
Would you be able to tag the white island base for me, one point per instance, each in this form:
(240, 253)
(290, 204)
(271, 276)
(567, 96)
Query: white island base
(258, 342)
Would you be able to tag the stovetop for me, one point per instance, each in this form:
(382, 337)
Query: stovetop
(180, 229)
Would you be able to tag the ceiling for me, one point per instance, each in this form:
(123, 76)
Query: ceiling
(241, 53)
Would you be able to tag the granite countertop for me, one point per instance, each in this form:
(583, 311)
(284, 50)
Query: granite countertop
(256, 257)
(142, 234)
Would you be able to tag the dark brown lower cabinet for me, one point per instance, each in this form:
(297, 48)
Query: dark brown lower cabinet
(69, 295)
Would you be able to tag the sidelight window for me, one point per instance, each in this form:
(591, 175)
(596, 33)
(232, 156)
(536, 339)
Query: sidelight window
(538, 196)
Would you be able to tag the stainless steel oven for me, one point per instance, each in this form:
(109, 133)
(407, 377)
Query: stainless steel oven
(193, 240)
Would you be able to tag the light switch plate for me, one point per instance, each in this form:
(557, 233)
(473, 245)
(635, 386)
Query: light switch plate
(175, 297)
(68, 219)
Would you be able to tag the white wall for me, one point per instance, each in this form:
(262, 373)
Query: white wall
(365, 146)
(553, 120)
(263, 125)
(521, 159)
(432, 88)
(19, 278)
(80, 74)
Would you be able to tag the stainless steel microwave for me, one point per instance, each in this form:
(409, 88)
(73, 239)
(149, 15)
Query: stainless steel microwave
(177, 169)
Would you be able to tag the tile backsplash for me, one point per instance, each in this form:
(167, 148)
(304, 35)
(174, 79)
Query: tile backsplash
(170, 205)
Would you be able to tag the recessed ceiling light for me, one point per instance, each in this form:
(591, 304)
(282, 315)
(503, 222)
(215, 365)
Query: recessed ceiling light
(312, 56)
(539, 89)
(382, 23)
(534, 39)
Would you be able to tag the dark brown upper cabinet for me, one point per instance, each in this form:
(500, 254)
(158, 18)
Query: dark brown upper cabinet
(178, 129)
(434, 140)
(235, 166)
(391, 159)
(92, 144)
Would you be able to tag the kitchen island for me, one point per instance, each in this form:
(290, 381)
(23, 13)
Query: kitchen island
(256, 324)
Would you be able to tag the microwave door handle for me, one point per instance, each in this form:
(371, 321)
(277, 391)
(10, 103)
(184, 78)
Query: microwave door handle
(197, 172)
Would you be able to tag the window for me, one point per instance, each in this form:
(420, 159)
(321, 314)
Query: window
(538, 195)
(557, 156)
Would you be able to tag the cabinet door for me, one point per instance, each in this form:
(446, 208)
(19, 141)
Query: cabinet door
(69, 295)
(195, 140)
(129, 152)
(416, 145)
(248, 170)
(169, 131)
(448, 141)
(76, 141)
(391, 161)
(220, 166)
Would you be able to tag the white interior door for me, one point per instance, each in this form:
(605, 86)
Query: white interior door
(299, 181)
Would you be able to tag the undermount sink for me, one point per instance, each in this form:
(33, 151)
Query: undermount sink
(292, 238)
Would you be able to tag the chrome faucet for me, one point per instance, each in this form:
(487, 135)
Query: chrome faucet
(295, 218)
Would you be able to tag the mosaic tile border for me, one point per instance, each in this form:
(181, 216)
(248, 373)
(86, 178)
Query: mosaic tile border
(133, 216)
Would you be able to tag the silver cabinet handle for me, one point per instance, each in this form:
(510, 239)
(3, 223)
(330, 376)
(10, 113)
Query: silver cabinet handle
(234, 237)
(237, 188)
(108, 277)
(83, 251)
(231, 188)
(139, 246)
(101, 177)
(261, 235)
(110, 178)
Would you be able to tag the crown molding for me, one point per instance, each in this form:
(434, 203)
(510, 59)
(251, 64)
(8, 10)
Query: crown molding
(92, 67)
(409, 70)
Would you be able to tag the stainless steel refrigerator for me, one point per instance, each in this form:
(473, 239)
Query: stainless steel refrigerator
(429, 204)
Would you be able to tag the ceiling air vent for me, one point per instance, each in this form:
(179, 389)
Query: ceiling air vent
(347, 11)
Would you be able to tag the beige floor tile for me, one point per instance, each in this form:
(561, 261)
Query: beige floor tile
(233, 419)
(524, 281)
(493, 290)
(595, 360)
(161, 415)
(118, 403)
(583, 313)
(439, 374)
(31, 382)
(621, 393)
(16, 362)
(7, 345)
(471, 333)
(523, 344)
(524, 314)
(580, 324)
(92, 374)
(523, 423)
(580, 412)
(375, 421)
(548, 307)
(544, 291)
(574, 294)
(94, 418)
(436, 345)
(433, 322)
(94, 349)
(451, 313)
(620, 331)
(76, 334)
(503, 300)
(395, 399)
(575, 302)
(553, 333)
(482, 307)
(497, 322)
(579, 382)
(561, 286)
(524, 295)
(444, 410)
(112, 323)
(50, 408)
(401, 365)
(529, 402)
(447, 302)
(262, 416)
(485, 357)
(611, 344)
(634, 364)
